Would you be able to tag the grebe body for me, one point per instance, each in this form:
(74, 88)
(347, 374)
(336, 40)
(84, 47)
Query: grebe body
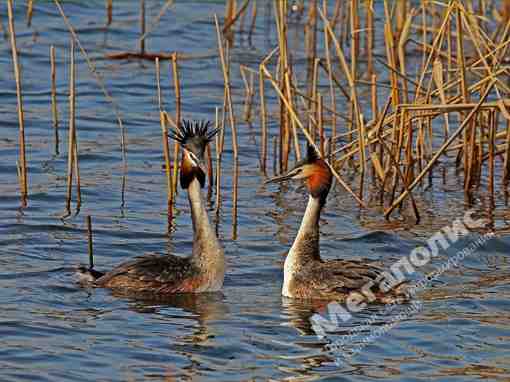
(204, 270)
(306, 275)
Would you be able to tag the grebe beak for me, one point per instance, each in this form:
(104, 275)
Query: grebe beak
(280, 178)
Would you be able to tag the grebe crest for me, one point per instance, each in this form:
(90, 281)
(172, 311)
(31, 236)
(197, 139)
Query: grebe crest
(193, 137)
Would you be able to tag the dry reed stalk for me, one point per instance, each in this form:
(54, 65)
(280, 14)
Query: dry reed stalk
(210, 174)
(369, 43)
(311, 32)
(493, 125)
(408, 153)
(336, 12)
(275, 155)
(109, 12)
(232, 19)
(177, 92)
(437, 76)
(439, 152)
(297, 151)
(312, 104)
(72, 130)
(344, 23)
(235, 193)
(449, 50)
(230, 10)
(142, 26)
(397, 139)
(320, 123)
(373, 98)
(248, 91)
(401, 48)
(391, 56)
(150, 56)
(72, 100)
(219, 151)
(436, 43)
(331, 96)
(354, 23)
(77, 172)
(280, 9)
(310, 74)
(362, 154)
(23, 178)
(166, 149)
(401, 16)
(90, 242)
(226, 80)
(242, 19)
(54, 109)
(263, 122)
(30, 12)
(481, 45)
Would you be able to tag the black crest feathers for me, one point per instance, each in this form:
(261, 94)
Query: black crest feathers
(188, 130)
(311, 154)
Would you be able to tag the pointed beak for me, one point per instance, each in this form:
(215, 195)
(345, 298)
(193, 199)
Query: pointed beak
(279, 179)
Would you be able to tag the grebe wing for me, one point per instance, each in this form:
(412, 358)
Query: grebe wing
(342, 276)
(166, 269)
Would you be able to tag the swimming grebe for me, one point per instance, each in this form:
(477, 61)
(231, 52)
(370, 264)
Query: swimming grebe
(204, 270)
(306, 275)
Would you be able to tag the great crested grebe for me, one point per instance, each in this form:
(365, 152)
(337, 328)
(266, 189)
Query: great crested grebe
(306, 275)
(204, 270)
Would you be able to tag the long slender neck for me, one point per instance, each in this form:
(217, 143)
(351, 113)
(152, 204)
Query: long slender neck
(207, 251)
(306, 244)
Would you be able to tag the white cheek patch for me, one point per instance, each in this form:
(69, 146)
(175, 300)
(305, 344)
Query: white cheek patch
(192, 157)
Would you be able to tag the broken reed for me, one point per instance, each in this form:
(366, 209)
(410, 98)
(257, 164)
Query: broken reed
(463, 58)
(90, 242)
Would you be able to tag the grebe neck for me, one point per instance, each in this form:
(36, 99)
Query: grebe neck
(306, 244)
(207, 252)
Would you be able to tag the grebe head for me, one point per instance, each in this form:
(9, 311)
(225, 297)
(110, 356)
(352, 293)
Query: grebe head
(193, 137)
(314, 171)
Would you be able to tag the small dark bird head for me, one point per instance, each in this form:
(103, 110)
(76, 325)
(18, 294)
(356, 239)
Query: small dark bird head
(193, 137)
(314, 171)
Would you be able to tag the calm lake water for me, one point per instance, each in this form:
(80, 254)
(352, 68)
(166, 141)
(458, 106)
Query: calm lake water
(53, 330)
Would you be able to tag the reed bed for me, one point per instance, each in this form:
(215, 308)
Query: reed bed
(441, 69)
(386, 101)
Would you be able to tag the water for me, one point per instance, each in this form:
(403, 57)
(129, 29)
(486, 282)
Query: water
(53, 330)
